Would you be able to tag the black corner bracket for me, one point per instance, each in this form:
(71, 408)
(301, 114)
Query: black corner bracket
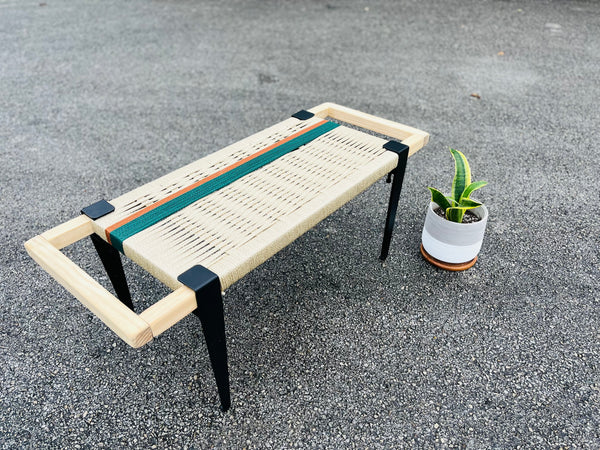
(303, 115)
(98, 209)
(200, 280)
(207, 286)
(395, 146)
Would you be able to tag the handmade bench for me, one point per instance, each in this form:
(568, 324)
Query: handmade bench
(201, 228)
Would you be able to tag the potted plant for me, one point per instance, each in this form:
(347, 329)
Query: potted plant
(455, 224)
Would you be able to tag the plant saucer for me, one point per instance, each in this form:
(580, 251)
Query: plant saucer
(454, 267)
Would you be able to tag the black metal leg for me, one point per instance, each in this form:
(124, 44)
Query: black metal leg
(207, 286)
(398, 175)
(111, 260)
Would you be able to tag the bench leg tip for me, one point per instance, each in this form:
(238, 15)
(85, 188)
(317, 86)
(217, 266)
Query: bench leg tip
(225, 406)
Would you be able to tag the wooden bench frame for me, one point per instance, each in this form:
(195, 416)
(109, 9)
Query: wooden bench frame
(138, 329)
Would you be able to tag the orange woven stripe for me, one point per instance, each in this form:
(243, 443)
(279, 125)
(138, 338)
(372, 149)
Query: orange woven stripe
(204, 180)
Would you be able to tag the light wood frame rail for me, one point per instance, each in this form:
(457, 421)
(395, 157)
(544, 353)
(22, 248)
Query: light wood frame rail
(135, 329)
(414, 138)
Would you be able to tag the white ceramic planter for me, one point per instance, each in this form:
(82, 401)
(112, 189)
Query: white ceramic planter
(453, 242)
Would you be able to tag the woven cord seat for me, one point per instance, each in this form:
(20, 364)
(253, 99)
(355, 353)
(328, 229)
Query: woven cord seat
(201, 228)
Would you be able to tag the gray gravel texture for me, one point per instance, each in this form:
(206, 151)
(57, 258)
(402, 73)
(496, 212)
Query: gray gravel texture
(328, 348)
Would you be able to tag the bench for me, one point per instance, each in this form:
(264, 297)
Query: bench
(201, 228)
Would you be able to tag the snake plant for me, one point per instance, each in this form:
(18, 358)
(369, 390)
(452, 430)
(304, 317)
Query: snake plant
(458, 202)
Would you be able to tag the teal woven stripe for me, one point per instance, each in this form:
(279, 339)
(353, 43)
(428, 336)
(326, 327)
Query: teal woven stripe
(165, 210)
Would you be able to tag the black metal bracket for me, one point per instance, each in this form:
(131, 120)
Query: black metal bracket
(303, 115)
(98, 209)
(207, 286)
(111, 260)
(395, 146)
(398, 175)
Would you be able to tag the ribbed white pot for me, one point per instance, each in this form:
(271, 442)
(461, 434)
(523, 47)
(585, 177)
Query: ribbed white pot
(453, 242)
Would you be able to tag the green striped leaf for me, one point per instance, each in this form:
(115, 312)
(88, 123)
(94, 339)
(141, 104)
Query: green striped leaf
(468, 203)
(472, 187)
(439, 198)
(455, 214)
(462, 175)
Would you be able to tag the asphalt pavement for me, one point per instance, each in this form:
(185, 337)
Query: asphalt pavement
(328, 347)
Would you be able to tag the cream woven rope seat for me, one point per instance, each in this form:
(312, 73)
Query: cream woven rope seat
(203, 227)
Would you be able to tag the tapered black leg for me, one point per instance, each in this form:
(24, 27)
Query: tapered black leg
(111, 260)
(398, 178)
(207, 286)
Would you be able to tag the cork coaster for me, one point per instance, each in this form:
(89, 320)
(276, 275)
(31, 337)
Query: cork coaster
(454, 267)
